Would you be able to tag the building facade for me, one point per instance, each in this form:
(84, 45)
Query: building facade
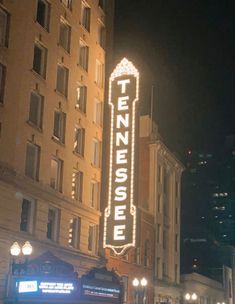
(52, 79)
(157, 253)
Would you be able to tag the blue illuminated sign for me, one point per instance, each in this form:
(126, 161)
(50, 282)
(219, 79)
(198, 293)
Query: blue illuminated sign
(37, 287)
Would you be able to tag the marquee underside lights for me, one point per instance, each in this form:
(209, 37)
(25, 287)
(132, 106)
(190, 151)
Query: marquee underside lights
(120, 213)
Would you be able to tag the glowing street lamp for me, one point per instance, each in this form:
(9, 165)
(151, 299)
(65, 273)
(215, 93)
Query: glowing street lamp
(189, 297)
(15, 251)
(139, 290)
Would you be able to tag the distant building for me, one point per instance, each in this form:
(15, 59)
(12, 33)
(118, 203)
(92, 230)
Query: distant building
(52, 79)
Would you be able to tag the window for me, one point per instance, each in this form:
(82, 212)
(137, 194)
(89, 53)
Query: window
(176, 242)
(164, 269)
(176, 273)
(137, 255)
(164, 239)
(2, 82)
(159, 203)
(94, 194)
(56, 174)
(146, 253)
(74, 232)
(83, 56)
(176, 215)
(92, 238)
(102, 4)
(157, 271)
(65, 33)
(36, 109)
(81, 98)
(165, 181)
(43, 13)
(77, 185)
(85, 16)
(32, 161)
(67, 3)
(96, 146)
(62, 80)
(158, 233)
(159, 173)
(59, 126)
(40, 59)
(176, 188)
(52, 224)
(27, 215)
(79, 141)
(101, 35)
(4, 27)
(98, 112)
(99, 75)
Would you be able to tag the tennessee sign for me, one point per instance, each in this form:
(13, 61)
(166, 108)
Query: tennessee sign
(120, 213)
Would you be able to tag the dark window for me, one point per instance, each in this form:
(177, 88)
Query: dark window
(59, 126)
(85, 16)
(65, 32)
(4, 27)
(83, 56)
(2, 82)
(52, 224)
(101, 35)
(25, 215)
(39, 59)
(67, 3)
(32, 161)
(43, 13)
(36, 109)
(62, 80)
(56, 174)
(102, 4)
(146, 253)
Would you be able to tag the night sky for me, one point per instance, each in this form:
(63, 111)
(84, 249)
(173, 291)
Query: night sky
(185, 49)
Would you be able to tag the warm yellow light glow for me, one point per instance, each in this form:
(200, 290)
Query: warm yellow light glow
(15, 249)
(125, 67)
(187, 296)
(143, 282)
(27, 248)
(194, 296)
(135, 282)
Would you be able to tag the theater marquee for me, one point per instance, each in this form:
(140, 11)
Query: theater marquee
(120, 214)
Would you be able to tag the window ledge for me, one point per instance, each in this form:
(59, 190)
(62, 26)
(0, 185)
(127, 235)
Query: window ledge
(38, 75)
(78, 154)
(84, 70)
(56, 140)
(80, 111)
(46, 30)
(66, 51)
(31, 124)
(61, 94)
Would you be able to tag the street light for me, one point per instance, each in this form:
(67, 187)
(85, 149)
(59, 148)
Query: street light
(189, 296)
(139, 290)
(15, 250)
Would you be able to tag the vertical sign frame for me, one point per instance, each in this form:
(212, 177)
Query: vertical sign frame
(120, 213)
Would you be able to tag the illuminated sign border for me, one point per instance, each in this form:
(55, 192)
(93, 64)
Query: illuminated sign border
(125, 67)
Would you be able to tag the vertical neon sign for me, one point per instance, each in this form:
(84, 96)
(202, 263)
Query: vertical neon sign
(120, 213)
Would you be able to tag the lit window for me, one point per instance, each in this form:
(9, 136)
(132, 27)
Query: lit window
(74, 232)
(94, 194)
(77, 185)
(56, 174)
(81, 98)
(83, 56)
(4, 27)
(101, 35)
(27, 215)
(62, 80)
(67, 3)
(32, 161)
(85, 16)
(65, 32)
(53, 224)
(40, 59)
(96, 146)
(92, 232)
(98, 112)
(59, 126)
(43, 13)
(99, 75)
(79, 141)
(2, 82)
(36, 109)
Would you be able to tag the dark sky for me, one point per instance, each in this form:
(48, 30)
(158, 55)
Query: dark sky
(185, 49)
